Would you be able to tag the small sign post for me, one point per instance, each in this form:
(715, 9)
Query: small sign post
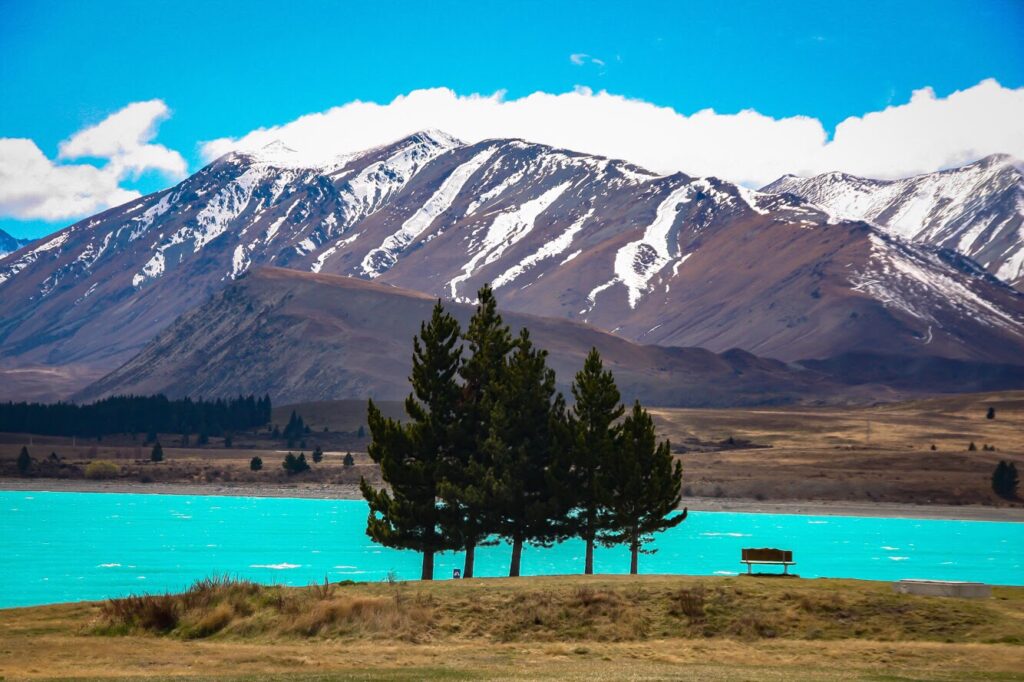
(456, 574)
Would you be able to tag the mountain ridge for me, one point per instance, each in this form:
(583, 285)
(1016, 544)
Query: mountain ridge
(976, 209)
(671, 260)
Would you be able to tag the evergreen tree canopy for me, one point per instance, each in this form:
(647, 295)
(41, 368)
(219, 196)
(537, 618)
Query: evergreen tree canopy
(527, 439)
(594, 434)
(466, 474)
(295, 465)
(411, 455)
(1005, 480)
(136, 414)
(24, 461)
(318, 454)
(642, 484)
(157, 454)
(256, 463)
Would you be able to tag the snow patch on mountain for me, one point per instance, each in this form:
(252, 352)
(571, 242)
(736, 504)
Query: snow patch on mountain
(977, 209)
(637, 262)
(379, 181)
(555, 247)
(506, 229)
(32, 256)
(918, 284)
(383, 258)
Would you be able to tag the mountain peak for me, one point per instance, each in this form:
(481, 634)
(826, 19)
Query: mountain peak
(998, 160)
(432, 137)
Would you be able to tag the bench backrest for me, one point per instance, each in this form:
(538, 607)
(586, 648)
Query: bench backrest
(767, 554)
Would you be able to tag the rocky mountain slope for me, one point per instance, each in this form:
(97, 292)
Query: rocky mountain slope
(9, 244)
(305, 336)
(670, 260)
(976, 210)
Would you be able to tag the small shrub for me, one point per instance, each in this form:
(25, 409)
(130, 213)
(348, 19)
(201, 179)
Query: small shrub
(690, 603)
(933, 447)
(991, 414)
(322, 592)
(972, 447)
(349, 460)
(24, 461)
(101, 469)
(152, 613)
(157, 455)
(318, 455)
(295, 465)
(213, 622)
(256, 463)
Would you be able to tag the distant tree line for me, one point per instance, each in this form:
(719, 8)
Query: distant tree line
(137, 414)
(491, 450)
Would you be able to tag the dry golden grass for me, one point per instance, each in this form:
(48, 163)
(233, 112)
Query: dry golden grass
(597, 627)
(816, 453)
(867, 454)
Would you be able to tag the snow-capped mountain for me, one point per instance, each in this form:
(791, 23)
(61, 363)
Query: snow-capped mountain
(669, 260)
(9, 244)
(977, 210)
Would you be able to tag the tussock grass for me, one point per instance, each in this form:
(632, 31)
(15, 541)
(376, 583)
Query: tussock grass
(590, 628)
(598, 609)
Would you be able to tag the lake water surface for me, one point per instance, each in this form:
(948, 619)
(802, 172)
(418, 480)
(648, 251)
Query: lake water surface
(59, 547)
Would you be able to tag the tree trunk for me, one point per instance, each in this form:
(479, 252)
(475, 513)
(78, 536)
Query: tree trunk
(634, 549)
(467, 571)
(588, 568)
(428, 565)
(517, 555)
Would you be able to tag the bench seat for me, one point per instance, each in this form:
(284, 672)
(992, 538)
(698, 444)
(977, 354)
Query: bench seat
(767, 556)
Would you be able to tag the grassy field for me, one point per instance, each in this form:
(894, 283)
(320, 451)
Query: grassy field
(835, 454)
(880, 454)
(595, 628)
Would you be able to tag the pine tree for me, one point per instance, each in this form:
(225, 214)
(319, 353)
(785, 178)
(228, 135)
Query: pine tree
(318, 455)
(256, 463)
(157, 454)
(991, 414)
(295, 465)
(467, 472)
(642, 484)
(528, 436)
(411, 455)
(594, 432)
(1005, 480)
(24, 461)
(348, 460)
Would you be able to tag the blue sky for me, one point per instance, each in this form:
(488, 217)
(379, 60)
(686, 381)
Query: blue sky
(225, 69)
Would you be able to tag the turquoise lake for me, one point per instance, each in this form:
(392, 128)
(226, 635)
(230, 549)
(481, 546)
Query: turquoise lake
(59, 547)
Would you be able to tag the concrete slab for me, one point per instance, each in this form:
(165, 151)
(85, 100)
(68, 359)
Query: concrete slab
(944, 588)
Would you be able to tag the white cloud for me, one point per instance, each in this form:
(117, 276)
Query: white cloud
(35, 187)
(581, 58)
(926, 134)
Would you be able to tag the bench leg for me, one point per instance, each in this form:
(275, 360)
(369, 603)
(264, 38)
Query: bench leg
(785, 569)
(749, 566)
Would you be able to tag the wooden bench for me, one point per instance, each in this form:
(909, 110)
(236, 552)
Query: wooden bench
(767, 555)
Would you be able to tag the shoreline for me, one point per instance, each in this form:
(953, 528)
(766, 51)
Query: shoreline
(705, 504)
